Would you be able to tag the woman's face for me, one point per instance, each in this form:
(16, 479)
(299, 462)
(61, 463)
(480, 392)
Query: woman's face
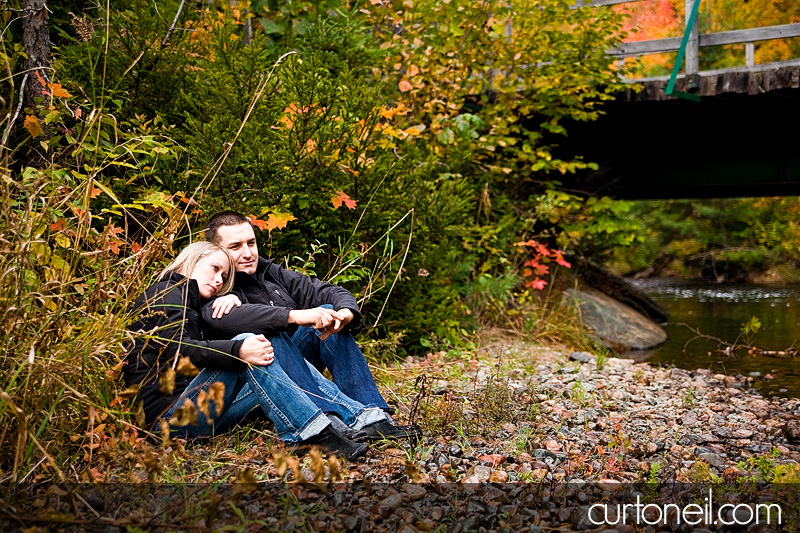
(210, 273)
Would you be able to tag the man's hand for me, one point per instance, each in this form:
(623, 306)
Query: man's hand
(257, 350)
(325, 320)
(223, 305)
(345, 316)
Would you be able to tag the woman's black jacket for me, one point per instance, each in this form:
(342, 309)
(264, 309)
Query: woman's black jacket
(169, 323)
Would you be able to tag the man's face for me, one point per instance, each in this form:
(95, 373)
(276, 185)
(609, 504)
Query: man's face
(240, 241)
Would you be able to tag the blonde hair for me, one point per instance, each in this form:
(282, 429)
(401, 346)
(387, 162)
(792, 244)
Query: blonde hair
(187, 260)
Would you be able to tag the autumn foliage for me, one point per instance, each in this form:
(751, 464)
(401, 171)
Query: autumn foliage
(659, 19)
(397, 149)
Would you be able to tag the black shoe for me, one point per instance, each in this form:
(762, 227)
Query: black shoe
(332, 441)
(344, 429)
(384, 430)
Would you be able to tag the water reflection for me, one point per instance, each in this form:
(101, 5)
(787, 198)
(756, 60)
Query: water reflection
(719, 311)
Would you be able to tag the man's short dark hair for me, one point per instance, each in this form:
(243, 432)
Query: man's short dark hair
(225, 218)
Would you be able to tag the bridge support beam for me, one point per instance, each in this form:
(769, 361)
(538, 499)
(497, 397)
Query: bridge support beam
(692, 46)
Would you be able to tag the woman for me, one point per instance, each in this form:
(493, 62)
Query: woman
(237, 377)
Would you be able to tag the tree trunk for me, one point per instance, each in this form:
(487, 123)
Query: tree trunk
(36, 40)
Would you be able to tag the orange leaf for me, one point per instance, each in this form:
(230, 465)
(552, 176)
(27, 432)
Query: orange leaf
(59, 91)
(78, 113)
(58, 225)
(114, 230)
(42, 82)
(32, 125)
(260, 224)
(279, 220)
(136, 247)
(404, 86)
(342, 198)
(95, 192)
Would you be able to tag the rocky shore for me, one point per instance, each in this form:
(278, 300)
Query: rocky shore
(517, 438)
(570, 419)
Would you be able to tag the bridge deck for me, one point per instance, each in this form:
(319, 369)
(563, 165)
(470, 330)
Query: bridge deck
(755, 80)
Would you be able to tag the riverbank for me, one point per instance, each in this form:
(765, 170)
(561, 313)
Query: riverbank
(506, 413)
(577, 416)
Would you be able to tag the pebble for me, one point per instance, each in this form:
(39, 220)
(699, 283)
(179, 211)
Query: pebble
(581, 357)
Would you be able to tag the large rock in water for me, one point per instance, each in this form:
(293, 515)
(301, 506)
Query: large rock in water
(615, 324)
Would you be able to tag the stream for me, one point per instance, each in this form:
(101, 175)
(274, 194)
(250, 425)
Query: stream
(719, 311)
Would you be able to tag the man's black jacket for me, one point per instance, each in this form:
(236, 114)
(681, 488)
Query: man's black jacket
(168, 322)
(268, 296)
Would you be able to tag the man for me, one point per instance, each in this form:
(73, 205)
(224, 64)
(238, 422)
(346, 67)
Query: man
(287, 307)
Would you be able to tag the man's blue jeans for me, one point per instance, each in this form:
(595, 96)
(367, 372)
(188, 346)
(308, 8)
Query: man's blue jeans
(269, 388)
(340, 354)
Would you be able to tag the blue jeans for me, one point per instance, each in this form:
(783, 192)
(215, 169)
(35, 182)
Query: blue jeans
(340, 354)
(267, 390)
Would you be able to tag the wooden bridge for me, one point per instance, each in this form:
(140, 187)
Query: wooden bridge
(715, 133)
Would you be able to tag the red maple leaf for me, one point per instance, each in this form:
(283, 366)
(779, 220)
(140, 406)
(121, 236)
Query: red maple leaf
(561, 261)
(537, 284)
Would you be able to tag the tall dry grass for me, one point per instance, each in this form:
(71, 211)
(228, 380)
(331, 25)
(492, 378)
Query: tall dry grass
(68, 278)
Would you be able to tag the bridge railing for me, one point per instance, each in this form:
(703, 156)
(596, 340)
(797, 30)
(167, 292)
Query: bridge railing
(748, 37)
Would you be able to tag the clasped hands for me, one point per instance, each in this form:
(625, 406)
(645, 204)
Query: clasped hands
(327, 321)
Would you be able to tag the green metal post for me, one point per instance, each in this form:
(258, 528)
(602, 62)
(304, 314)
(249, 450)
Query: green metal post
(690, 23)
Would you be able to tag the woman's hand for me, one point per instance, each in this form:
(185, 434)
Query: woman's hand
(223, 305)
(257, 350)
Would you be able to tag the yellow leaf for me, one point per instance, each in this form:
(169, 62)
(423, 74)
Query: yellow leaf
(165, 440)
(244, 482)
(186, 367)
(202, 404)
(335, 468)
(138, 413)
(32, 125)
(317, 465)
(167, 381)
(279, 220)
(216, 392)
(130, 392)
(184, 415)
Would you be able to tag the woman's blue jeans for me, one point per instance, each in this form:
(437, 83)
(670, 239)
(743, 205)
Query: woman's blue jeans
(268, 390)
